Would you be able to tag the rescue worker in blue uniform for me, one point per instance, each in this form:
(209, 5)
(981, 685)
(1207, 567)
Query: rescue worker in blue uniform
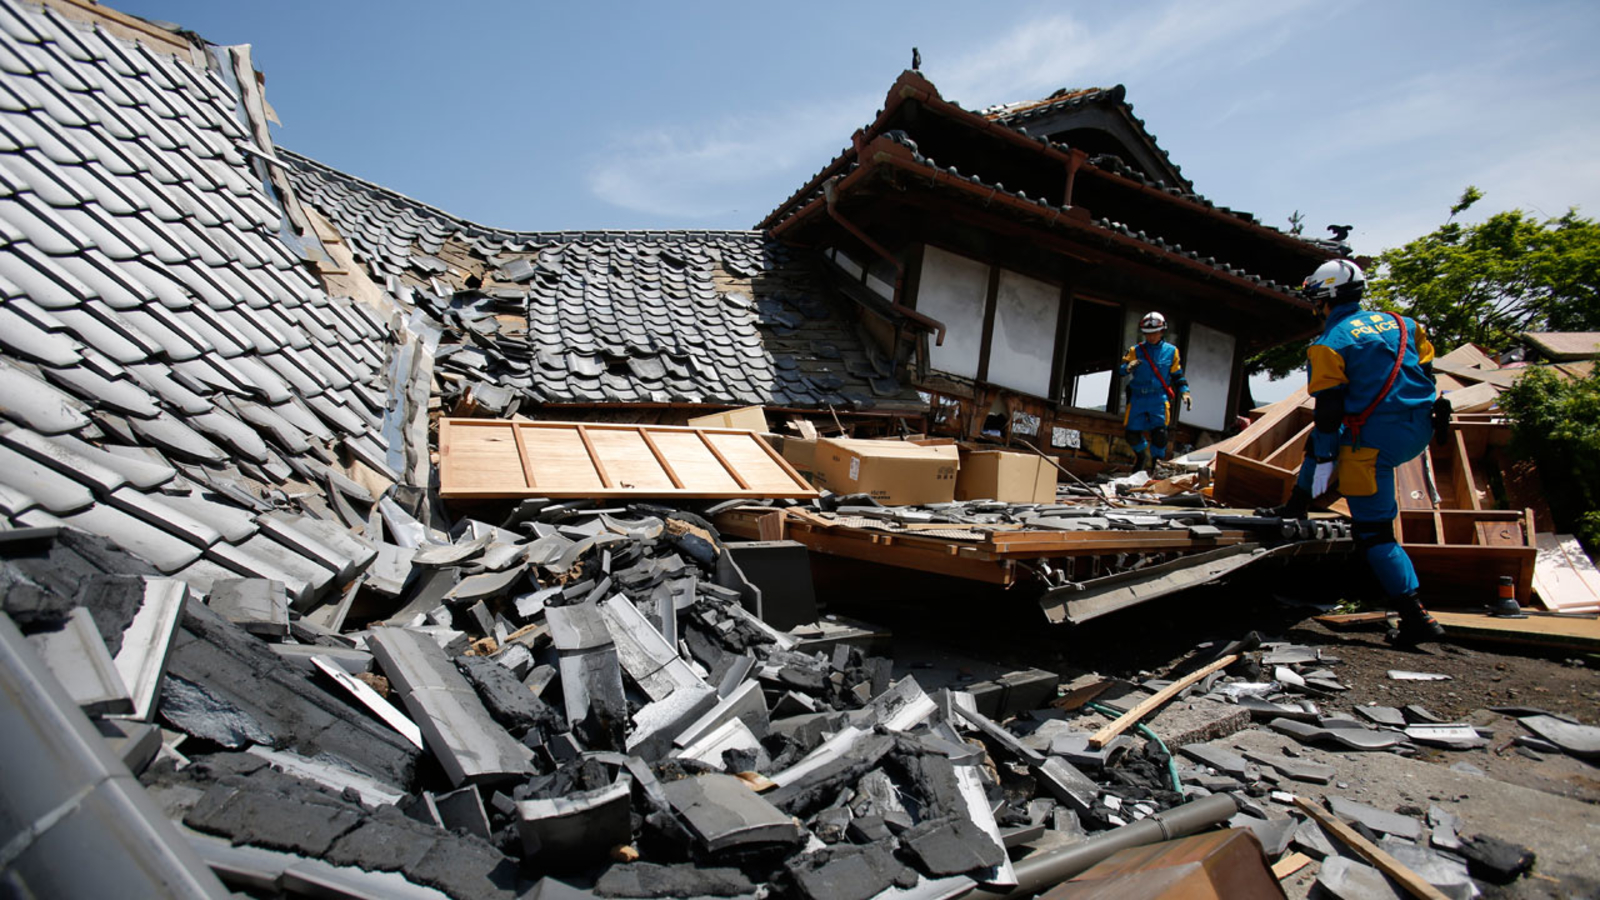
(1372, 379)
(1154, 371)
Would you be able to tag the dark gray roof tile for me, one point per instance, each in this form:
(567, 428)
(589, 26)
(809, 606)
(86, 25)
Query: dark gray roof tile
(232, 522)
(154, 509)
(173, 436)
(157, 378)
(151, 544)
(31, 402)
(23, 336)
(44, 482)
(121, 395)
(231, 433)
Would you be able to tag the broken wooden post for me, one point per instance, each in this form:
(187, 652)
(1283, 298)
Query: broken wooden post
(1390, 866)
(1131, 717)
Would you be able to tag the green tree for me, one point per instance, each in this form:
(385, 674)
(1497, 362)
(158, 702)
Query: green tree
(1486, 283)
(1556, 423)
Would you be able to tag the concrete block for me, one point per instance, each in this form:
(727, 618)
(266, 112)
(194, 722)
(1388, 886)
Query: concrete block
(258, 605)
(724, 812)
(578, 828)
(463, 809)
(455, 726)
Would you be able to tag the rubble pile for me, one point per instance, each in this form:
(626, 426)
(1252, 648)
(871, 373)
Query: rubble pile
(573, 687)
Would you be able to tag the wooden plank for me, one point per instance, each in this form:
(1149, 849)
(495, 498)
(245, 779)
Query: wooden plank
(1467, 496)
(1411, 485)
(1293, 451)
(1411, 881)
(904, 554)
(1263, 428)
(666, 467)
(1499, 534)
(1563, 575)
(1467, 575)
(594, 458)
(769, 526)
(1289, 865)
(529, 480)
(1131, 717)
(1347, 620)
(1242, 481)
(1572, 632)
(491, 458)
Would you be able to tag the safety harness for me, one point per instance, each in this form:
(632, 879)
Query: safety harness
(1156, 370)
(1353, 423)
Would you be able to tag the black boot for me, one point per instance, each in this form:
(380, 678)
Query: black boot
(1416, 626)
(1297, 507)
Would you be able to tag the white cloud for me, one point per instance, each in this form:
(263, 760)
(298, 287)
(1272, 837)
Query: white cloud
(1062, 51)
(750, 163)
(703, 171)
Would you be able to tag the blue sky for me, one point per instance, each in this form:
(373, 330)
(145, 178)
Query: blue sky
(697, 114)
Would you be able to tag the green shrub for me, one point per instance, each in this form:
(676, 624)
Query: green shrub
(1556, 423)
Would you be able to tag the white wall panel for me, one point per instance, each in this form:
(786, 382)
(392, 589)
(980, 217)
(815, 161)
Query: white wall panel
(1024, 342)
(953, 289)
(1209, 368)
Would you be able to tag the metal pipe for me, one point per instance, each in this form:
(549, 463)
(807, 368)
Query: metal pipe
(926, 321)
(1044, 870)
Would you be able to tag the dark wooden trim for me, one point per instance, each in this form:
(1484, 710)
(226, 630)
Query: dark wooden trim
(988, 322)
(913, 278)
(1058, 360)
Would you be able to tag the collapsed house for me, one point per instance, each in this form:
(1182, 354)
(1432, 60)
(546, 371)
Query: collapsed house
(255, 640)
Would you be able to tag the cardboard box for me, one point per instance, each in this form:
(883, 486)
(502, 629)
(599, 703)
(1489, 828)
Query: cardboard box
(1004, 475)
(800, 453)
(751, 418)
(894, 473)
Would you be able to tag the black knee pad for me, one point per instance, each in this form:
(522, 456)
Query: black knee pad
(1158, 436)
(1373, 534)
(1133, 437)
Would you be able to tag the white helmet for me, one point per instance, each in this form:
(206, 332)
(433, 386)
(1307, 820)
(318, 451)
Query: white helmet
(1335, 281)
(1152, 323)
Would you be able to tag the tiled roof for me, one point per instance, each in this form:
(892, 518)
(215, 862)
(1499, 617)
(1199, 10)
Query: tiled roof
(718, 317)
(1112, 230)
(171, 377)
(1019, 115)
(1064, 98)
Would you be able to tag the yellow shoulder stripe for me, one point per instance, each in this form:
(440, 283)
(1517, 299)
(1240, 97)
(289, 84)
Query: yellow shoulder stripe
(1327, 368)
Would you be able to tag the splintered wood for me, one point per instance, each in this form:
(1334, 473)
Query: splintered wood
(482, 459)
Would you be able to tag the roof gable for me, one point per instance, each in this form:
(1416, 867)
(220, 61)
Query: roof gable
(1099, 121)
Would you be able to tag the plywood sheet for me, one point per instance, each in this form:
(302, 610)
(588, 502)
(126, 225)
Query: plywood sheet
(493, 458)
(1563, 575)
(1573, 632)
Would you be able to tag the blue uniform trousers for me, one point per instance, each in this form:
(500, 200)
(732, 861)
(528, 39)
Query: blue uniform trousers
(1366, 479)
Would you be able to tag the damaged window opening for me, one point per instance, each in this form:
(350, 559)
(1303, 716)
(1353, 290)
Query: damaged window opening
(1091, 356)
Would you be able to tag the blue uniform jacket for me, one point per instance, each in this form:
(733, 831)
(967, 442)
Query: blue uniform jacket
(1354, 356)
(1166, 359)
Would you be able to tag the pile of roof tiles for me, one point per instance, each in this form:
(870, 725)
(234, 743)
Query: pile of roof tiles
(610, 317)
(577, 693)
(173, 378)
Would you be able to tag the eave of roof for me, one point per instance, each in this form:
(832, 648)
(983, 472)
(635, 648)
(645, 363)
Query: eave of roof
(912, 86)
(1114, 97)
(886, 151)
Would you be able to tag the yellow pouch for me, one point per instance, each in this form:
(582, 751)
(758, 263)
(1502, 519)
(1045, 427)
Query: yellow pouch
(1358, 471)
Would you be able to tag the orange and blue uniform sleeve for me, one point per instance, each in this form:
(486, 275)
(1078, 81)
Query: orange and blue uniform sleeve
(1175, 372)
(1327, 385)
(1127, 359)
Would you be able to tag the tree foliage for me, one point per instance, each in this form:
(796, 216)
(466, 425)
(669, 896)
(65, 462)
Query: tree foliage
(1486, 283)
(1556, 423)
